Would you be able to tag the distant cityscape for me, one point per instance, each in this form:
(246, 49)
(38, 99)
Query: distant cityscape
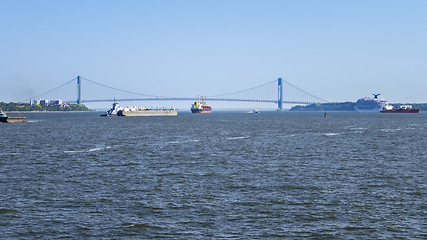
(48, 103)
(43, 105)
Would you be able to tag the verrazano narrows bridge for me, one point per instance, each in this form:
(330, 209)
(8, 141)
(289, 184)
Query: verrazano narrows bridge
(277, 92)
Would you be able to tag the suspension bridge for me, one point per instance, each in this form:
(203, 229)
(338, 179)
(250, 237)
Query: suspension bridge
(84, 90)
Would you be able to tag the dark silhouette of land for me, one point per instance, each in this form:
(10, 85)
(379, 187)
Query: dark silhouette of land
(26, 107)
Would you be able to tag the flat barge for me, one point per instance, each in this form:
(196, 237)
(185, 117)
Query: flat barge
(4, 118)
(116, 110)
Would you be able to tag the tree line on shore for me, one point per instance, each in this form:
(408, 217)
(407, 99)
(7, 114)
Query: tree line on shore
(25, 107)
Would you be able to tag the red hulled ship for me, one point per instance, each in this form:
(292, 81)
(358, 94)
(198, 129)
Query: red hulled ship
(402, 109)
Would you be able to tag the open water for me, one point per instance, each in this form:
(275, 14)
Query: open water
(214, 176)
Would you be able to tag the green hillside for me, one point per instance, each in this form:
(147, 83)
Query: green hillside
(25, 107)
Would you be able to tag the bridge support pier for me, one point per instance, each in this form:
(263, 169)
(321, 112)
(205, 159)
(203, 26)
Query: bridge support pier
(79, 90)
(280, 95)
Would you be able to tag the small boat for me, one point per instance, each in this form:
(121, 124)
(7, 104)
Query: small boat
(255, 111)
(113, 111)
(6, 119)
(402, 109)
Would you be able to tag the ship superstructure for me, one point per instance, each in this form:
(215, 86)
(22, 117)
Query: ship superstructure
(113, 111)
(200, 106)
(374, 104)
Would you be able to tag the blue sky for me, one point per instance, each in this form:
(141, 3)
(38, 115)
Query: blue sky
(338, 50)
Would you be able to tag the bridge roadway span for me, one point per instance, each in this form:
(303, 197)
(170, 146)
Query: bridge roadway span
(189, 99)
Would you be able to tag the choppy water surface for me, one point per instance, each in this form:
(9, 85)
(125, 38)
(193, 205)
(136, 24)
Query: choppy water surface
(215, 176)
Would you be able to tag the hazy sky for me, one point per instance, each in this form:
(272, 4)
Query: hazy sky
(339, 50)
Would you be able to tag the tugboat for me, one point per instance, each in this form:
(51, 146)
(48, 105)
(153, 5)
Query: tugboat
(200, 107)
(113, 111)
(6, 119)
(402, 109)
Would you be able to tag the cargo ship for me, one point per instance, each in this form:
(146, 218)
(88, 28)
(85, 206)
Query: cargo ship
(200, 107)
(116, 110)
(6, 119)
(402, 109)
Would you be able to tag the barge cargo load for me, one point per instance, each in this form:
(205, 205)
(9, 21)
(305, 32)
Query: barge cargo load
(116, 110)
(147, 112)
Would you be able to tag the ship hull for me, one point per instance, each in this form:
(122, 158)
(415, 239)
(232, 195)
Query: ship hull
(195, 110)
(413, 110)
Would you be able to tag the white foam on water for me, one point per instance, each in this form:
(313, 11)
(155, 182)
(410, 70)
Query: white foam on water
(88, 150)
(95, 149)
(358, 128)
(183, 141)
(235, 138)
(332, 134)
(390, 130)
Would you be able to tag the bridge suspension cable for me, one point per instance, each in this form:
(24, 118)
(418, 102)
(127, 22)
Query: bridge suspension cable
(242, 91)
(270, 92)
(49, 91)
(305, 92)
(118, 89)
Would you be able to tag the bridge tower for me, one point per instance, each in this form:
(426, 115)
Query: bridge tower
(79, 91)
(280, 95)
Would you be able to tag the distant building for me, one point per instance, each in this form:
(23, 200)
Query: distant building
(35, 102)
(44, 102)
(57, 102)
